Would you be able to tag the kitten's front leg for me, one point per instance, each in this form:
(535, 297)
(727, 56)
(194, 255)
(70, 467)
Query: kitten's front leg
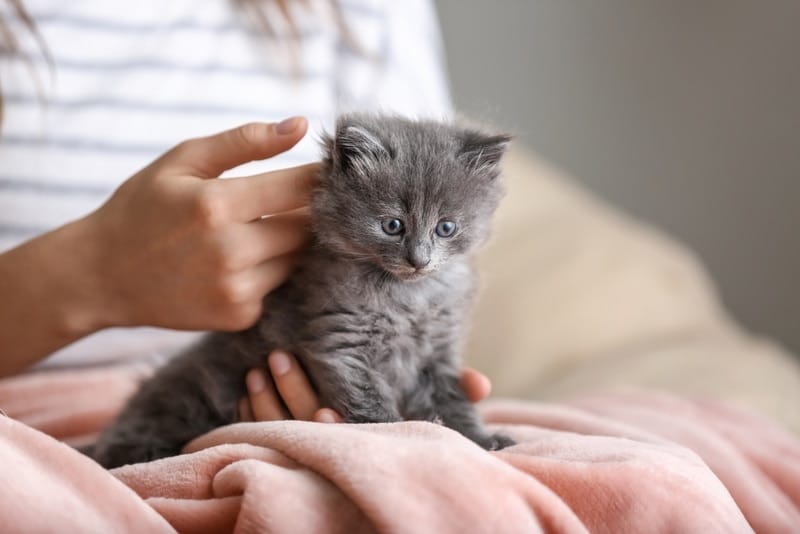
(368, 405)
(439, 396)
(347, 384)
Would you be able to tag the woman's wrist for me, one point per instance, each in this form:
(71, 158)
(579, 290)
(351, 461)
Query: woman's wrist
(52, 295)
(76, 273)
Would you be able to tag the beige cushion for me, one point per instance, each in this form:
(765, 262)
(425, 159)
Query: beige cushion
(577, 297)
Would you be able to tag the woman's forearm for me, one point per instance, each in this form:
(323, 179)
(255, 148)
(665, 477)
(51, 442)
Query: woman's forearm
(49, 295)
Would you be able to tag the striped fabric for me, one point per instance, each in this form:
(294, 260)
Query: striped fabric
(130, 79)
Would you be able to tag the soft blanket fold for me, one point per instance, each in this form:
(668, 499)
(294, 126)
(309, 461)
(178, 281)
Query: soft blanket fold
(622, 463)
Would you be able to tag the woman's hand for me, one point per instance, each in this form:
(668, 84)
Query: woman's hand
(172, 247)
(293, 397)
(178, 249)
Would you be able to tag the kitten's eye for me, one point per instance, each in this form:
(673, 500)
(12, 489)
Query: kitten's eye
(445, 228)
(393, 226)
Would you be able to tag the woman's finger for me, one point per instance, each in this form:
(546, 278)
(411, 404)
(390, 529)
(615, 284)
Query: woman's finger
(208, 157)
(258, 241)
(326, 415)
(476, 385)
(271, 192)
(268, 275)
(245, 411)
(293, 385)
(264, 401)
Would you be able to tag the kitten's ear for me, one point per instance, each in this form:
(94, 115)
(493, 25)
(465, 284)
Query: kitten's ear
(356, 146)
(482, 152)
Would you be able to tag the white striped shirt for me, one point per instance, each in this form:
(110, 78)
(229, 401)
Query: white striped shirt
(125, 88)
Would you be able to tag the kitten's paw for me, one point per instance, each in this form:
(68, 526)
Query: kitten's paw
(495, 442)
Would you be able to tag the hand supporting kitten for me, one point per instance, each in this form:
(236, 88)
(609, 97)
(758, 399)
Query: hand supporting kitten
(287, 393)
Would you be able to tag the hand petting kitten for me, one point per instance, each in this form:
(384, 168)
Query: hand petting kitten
(174, 216)
(172, 247)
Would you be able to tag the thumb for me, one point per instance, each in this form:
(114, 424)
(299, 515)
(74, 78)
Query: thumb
(208, 157)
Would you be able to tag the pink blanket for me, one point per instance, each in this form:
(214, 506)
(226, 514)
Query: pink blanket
(633, 463)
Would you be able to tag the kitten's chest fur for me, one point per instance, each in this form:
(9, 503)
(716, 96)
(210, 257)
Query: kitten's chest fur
(345, 320)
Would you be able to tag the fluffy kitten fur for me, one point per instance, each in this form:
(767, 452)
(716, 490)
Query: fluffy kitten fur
(376, 319)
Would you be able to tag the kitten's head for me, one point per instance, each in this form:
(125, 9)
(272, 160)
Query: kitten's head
(406, 196)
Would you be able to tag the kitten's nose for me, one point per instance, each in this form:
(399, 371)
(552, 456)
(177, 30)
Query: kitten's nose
(418, 262)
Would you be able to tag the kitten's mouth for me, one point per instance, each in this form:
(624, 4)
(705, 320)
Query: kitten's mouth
(409, 274)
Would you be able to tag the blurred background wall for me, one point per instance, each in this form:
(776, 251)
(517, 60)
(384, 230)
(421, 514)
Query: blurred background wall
(685, 113)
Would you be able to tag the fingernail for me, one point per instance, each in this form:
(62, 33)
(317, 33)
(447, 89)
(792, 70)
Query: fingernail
(256, 381)
(325, 416)
(279, 363)
(287, 126)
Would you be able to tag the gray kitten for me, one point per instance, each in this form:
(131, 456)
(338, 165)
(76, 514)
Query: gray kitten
(376, 309)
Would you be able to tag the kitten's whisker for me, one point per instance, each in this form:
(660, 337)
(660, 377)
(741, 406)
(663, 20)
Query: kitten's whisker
(361, 256)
